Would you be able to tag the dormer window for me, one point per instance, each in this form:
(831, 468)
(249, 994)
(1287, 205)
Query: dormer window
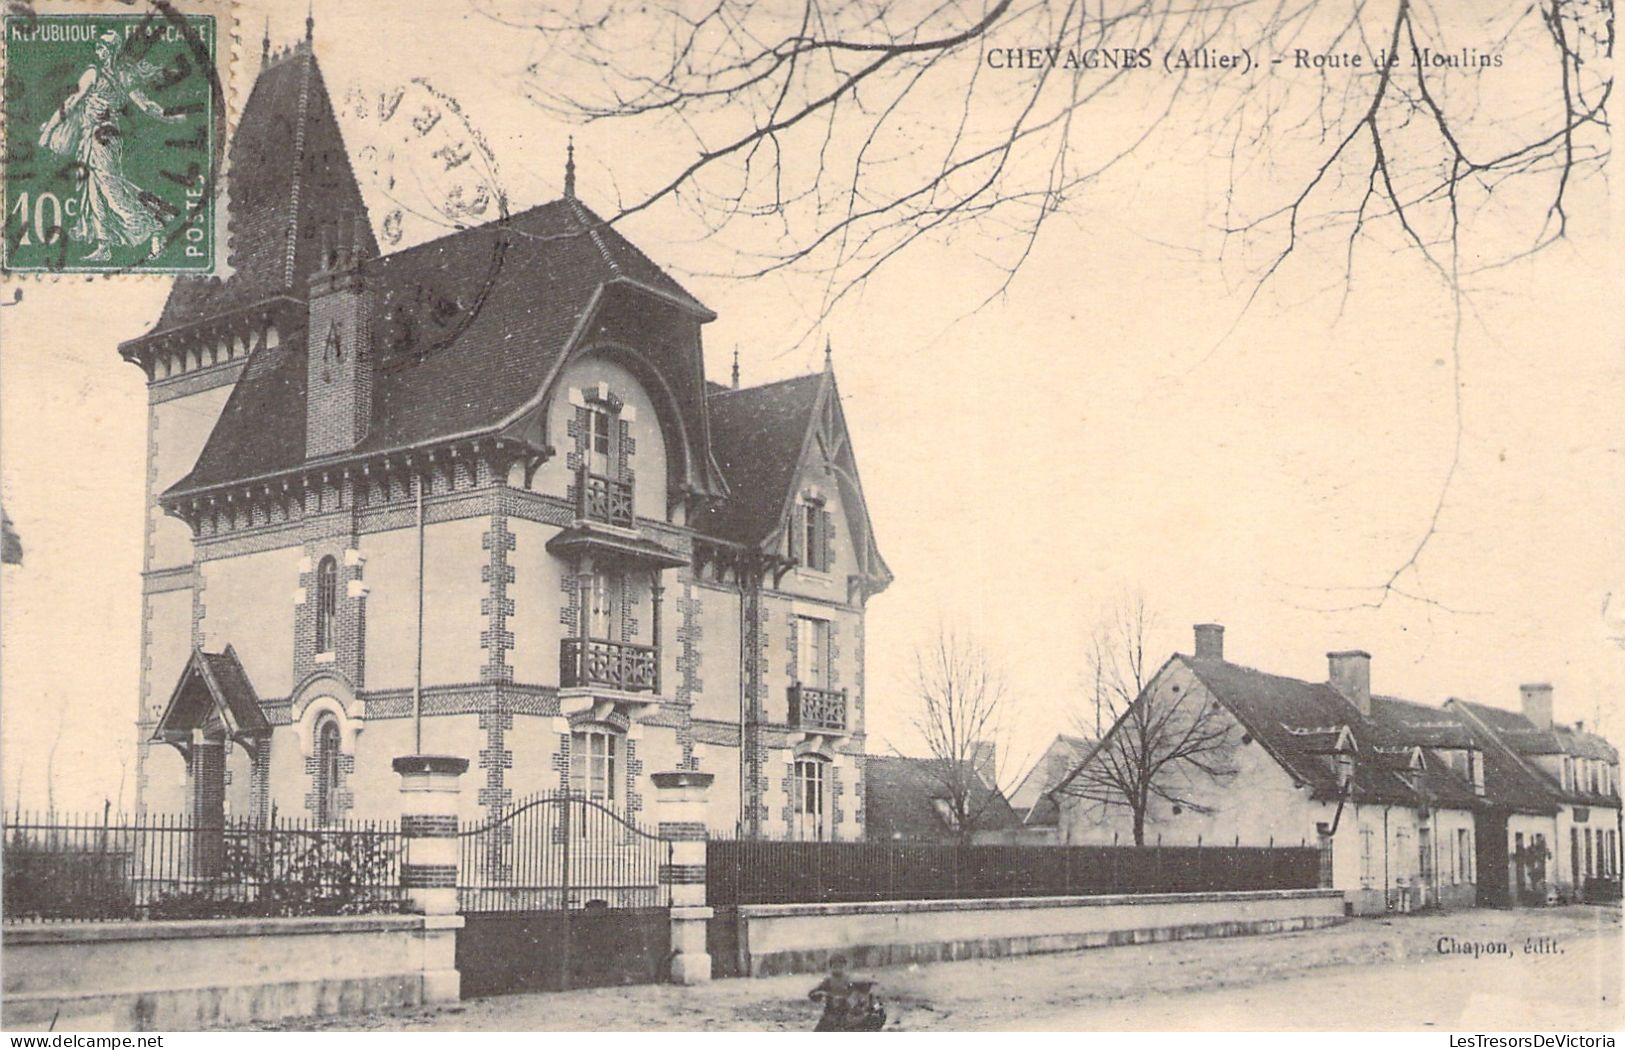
(1343, 762)
(1475, 771)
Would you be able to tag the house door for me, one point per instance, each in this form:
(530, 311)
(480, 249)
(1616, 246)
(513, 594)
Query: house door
(1490, 839)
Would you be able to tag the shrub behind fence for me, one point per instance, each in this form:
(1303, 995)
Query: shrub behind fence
(77, 867)
(761, 872)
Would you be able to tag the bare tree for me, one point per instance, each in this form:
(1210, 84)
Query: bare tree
(1160, 742)
(862, 127)
(962, 719)
(856, 131)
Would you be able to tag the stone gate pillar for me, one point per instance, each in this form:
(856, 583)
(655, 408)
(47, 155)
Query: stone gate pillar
(681, 817)
(429, 793)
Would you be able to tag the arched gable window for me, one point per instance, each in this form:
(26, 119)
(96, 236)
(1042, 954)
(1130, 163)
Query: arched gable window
(327, 603)
(327, 770)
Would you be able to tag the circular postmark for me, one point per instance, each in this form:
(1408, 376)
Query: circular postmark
(430, 173)
(114, 134)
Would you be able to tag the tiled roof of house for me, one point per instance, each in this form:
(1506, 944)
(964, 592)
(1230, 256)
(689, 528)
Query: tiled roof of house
(465, 330)
(1512, 742)
(901, 801)
(1063, 755)
(757, 434)
(1300, 723)
(288, 174)
(227, 692)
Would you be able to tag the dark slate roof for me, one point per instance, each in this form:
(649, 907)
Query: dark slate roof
(757, 435)
(227, 690)
(1299, 723)
(899, 796)
(1512, 741)
(273, 248)
(466, 329)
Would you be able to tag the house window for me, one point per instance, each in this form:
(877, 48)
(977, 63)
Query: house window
(1590, 857)
(327, 770)
(597, 440)
(1368, 873)
(1475, 771)
(595, 600)
(327, 602)
(812, 652)
(811, 820)
(593, 754)
(1464, 855)
(1568, 773)
(1345, 768)
(813, 538)
(1574, 854)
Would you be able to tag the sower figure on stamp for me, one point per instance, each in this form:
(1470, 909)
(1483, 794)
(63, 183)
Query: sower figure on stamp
(85, 128)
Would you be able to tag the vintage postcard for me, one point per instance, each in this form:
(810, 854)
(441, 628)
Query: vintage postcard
(1071, 516)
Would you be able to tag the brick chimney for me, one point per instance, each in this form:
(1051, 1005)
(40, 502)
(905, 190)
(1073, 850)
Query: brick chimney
(1537, 703)
(1350, 674)
(338, 345)
(1209, 641)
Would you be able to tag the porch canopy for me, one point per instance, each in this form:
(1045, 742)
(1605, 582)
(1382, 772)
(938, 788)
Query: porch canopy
(213, 695)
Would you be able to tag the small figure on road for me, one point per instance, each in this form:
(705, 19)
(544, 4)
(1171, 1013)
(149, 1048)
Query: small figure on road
(849, 1006)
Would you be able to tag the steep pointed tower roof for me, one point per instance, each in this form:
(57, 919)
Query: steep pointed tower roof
(289, 175)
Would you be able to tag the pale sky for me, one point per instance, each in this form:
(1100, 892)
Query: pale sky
(1093, 432)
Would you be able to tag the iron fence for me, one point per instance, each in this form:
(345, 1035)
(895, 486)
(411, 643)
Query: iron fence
(763, 872)
(84, 867)
(558, 850)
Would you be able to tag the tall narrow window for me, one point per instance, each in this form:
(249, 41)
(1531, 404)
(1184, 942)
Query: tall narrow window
(597, 441)
(595, 599)
(812, 652)
(1464, 853)
(813, 536)
(1475, 771)
(327, 771)
(1367, 860)
(594, 757)
(327, 603)
(811, 822)
(1574, 854)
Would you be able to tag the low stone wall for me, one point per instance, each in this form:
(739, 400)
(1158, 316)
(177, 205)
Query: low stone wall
(191, 974)
(800, 938)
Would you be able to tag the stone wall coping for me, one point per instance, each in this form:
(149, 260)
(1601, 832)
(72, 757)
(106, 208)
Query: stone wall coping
(13, 934)
(768, 911)
(682, 778)
(430, 764)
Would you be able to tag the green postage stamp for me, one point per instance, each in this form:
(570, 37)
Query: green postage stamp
(114, 119)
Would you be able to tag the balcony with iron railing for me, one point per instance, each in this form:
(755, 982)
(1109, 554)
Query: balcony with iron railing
(623, 667)
(817, 710)
(603, 500)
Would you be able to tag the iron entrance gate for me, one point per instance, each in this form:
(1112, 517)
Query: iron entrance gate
(561, 891)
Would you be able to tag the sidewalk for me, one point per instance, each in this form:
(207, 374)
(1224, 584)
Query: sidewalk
(1069, 988)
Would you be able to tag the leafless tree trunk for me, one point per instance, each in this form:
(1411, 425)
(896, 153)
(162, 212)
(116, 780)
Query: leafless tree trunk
(961, 715)
(1159, 743)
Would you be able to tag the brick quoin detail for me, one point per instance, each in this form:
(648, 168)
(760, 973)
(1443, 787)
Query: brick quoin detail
(496, 758)
(836, 790)
(497, 639)
(634, 770)
(690, 633)
(259, 780)
(561, 761)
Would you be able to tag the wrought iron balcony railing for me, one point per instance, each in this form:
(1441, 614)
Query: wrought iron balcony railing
(621, 666)
(603, 499)
(823, 710)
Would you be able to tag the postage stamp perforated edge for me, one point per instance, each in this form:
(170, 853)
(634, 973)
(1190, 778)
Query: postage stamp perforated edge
(225, 74)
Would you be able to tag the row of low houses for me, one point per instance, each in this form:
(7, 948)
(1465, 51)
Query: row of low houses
(1411, 804)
